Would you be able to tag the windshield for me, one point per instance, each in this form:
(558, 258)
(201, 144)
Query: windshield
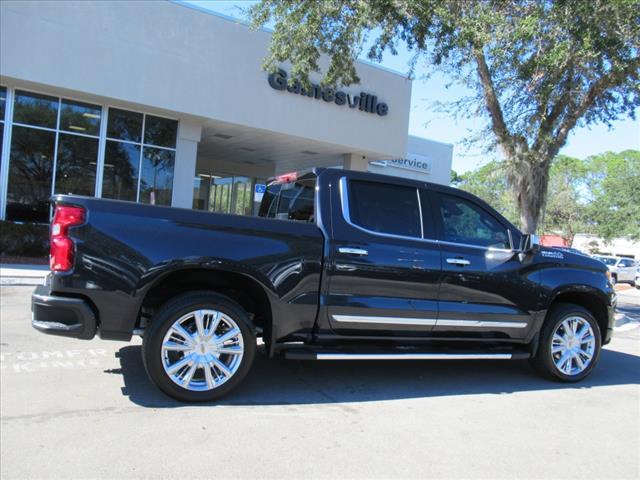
(607, 261)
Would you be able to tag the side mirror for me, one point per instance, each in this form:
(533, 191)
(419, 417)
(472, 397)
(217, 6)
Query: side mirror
(530, 244)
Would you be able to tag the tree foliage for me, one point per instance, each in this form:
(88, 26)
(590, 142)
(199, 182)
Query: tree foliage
(614, 184)
(599, 195)
(537, 68)
(566, 207)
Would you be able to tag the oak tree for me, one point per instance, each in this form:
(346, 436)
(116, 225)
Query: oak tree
(536, 68)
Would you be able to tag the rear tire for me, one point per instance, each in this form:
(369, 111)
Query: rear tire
(570, 344)
(199, 346)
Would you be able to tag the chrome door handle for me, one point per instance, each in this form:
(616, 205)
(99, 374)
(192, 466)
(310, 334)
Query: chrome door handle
(458, 261)
(353, 251)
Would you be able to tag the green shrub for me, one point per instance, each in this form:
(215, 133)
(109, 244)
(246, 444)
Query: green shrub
(24, 239)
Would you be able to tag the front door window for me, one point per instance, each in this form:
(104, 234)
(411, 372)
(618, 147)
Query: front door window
(465, 223)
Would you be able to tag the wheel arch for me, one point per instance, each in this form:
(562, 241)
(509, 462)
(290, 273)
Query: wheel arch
(588, 299)
(252, 296)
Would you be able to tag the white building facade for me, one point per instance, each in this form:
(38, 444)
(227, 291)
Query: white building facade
(618, 247)
(161, 102)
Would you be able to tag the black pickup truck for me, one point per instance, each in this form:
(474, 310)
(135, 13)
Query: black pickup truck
(338, 265)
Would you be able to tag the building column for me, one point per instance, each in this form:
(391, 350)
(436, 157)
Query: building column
(189, 133)
(353, 161)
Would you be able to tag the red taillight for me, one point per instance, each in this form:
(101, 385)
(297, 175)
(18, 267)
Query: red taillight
(62, 248)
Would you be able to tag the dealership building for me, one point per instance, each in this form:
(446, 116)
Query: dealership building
(166, 103)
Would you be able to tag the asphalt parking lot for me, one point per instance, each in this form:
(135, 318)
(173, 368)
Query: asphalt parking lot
(78, 409)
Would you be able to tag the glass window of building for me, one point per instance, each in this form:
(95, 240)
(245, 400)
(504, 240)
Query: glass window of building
(139, 157)
(160, 131)
(76, 165)
(30, 174)
(3, 102)
(124, 125)
(156, 178)
(120, 177)
(54, 149)
(201, 186)
(3, 107)
(80, 117)
(35, 109)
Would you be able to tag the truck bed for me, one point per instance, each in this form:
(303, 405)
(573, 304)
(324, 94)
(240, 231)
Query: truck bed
(125, 251)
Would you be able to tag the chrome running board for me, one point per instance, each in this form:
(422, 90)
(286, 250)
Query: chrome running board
(414, 356)
(311, 353)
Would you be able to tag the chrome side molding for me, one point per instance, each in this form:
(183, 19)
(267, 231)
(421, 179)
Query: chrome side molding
(384, 320)
(479, 324)
(428, 321)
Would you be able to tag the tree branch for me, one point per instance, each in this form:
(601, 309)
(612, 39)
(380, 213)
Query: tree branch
(546, 126)
(492, 104)
(596, 90)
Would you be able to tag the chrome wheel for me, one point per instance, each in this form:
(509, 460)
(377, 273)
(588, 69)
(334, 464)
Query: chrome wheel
(202, 350)
(573, 345)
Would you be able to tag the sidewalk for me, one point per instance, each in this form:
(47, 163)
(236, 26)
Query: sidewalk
(23, 274)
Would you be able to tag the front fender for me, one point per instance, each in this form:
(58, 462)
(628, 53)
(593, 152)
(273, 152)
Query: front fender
(561, 280)
(588, 288)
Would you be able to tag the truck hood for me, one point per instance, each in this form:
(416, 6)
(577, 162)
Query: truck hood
(573, 259)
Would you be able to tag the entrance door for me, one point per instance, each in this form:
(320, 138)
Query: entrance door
(242, 196)
(229, 195)
(220, 196)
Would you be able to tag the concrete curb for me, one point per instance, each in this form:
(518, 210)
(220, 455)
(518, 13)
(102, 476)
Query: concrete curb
(21, 281)
(23, 274)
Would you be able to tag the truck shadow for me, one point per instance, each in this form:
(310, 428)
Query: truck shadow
(286, 382)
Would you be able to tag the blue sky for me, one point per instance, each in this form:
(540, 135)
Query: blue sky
(424, 122)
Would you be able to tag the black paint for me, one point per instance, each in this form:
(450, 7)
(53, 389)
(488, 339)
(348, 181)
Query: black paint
(126, 249)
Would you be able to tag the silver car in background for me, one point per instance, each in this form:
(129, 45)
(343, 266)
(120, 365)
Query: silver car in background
(622, 269)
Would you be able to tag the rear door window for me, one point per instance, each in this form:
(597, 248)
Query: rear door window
(385, 208)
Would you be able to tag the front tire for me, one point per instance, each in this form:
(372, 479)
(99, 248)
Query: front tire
(198, 347)
(570, 344)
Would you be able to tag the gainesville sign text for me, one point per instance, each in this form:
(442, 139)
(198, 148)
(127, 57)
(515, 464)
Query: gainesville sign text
(365, 102)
